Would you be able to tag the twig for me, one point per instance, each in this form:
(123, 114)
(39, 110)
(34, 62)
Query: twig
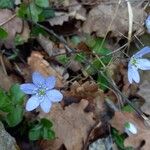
(9, 19)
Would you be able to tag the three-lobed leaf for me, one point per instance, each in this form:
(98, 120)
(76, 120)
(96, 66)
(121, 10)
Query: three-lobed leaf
(42, 130)
(11, 103)
(15, 116)
(16, 95)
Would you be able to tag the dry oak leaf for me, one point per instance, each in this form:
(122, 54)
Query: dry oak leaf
(102, 15)
(75, 11)
(85, 90)
(72, 124)
(136, 140)
(38, 63)
(12, 27)
(121, 118)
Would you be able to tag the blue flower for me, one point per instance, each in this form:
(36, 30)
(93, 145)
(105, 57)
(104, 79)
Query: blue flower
(147, 24)
(42, 92)
(137, 62)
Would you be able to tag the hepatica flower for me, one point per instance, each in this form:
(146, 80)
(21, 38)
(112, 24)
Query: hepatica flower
(137, 62)
(42, 91)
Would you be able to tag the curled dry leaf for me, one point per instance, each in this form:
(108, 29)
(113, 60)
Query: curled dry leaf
(86, 90)
(71, 125)
(12, 27)
(46, 43)
(75, 11)
(38, 63)
(143, 132)
(102, 15)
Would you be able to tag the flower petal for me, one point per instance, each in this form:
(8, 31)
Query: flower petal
(38, 79)
(28, 88)
(50, 82)
(46, 104)
(147, 23)
(143, 64)
(130, 78)
(134, 74)
(142, 52)
(54, 95)
(32, 103)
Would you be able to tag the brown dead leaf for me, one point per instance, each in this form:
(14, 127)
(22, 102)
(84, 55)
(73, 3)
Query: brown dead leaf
(46, 43)
(12, 27)
(144, 90)
(136, 140)
(25, 34)
(50, 144)
(121, 118)
(86, 90)
(89, 91)
(102, 15)
(71, 125)
(7, 80)
(75, 11)
(38, 63)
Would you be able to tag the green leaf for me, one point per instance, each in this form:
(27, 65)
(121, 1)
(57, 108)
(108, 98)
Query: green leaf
(37, 30)
(41, 130)
(80, 57)
(103, 83)
(127, 108)
(119, 140)
(42, 3)
(15, 116)
(63, 59)
(19, 40)
(16, 95)
(98, 46)
(48, 134)
(46, 14)
(94, 66)
(22, 11)
(5, 104)
(3, 34)
(46, 123)
(34, 135)
(33, 12)
(6, 4)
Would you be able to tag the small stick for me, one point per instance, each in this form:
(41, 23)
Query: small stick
(9, 19)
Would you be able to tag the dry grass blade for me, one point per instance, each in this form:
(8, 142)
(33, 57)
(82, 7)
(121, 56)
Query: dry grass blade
(130, 12)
